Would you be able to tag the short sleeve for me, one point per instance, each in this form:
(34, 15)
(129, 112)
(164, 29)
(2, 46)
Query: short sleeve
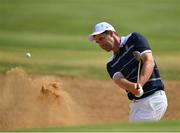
(140, 43)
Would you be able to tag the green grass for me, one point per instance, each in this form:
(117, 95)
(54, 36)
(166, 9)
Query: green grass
(55, 32)
(163, 126)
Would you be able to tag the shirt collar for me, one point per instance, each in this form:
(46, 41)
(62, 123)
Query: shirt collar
(124, 40)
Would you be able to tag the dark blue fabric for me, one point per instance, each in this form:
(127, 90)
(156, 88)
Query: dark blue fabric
(125, 63)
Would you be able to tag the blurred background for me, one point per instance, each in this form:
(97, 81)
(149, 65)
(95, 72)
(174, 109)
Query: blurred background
(55, 33)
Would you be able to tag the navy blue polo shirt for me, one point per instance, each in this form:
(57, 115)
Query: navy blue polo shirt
(125, 63)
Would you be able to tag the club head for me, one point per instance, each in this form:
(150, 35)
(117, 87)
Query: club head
(137, 55)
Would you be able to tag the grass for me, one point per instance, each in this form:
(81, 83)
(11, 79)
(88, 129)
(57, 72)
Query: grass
(163, 126)
(53, 55)
(55, 32)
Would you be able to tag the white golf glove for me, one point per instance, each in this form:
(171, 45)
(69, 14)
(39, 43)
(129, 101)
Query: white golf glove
(140, 89)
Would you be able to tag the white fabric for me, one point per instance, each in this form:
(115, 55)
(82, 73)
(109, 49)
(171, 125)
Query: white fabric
(146, 51)
(117, 75)
(124, 40)
(100, 28)
(151, 108)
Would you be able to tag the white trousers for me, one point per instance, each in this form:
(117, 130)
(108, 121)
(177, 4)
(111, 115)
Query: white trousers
(151, 108)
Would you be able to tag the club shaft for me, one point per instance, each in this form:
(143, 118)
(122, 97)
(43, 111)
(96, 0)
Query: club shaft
(138, 74)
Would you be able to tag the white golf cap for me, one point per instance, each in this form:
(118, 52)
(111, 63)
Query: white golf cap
(100, 28)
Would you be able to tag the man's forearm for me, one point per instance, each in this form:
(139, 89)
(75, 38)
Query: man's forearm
(125, 84)
(147, 69)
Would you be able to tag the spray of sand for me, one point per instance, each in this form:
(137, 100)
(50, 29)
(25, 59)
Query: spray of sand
(27, 102)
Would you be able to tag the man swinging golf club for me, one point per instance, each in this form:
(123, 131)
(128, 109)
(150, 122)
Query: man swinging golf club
(133, 69)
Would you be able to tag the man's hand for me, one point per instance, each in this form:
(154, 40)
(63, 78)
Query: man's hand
(139, 90)
(123, 83)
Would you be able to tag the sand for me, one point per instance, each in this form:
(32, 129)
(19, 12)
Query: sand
(38, 101)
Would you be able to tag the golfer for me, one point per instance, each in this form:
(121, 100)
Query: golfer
(131, 55)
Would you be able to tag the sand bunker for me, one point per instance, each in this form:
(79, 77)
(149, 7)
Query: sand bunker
(34, 102)
(30, 101)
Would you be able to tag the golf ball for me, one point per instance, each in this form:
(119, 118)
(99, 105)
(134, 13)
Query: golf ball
(28, 55)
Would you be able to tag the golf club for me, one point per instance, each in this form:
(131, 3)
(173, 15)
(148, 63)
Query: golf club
(137, 56)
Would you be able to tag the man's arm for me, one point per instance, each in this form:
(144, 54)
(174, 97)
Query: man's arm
(125, 84)
(147, 69)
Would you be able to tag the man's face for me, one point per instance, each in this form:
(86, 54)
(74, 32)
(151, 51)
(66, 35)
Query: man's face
(105, 41)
